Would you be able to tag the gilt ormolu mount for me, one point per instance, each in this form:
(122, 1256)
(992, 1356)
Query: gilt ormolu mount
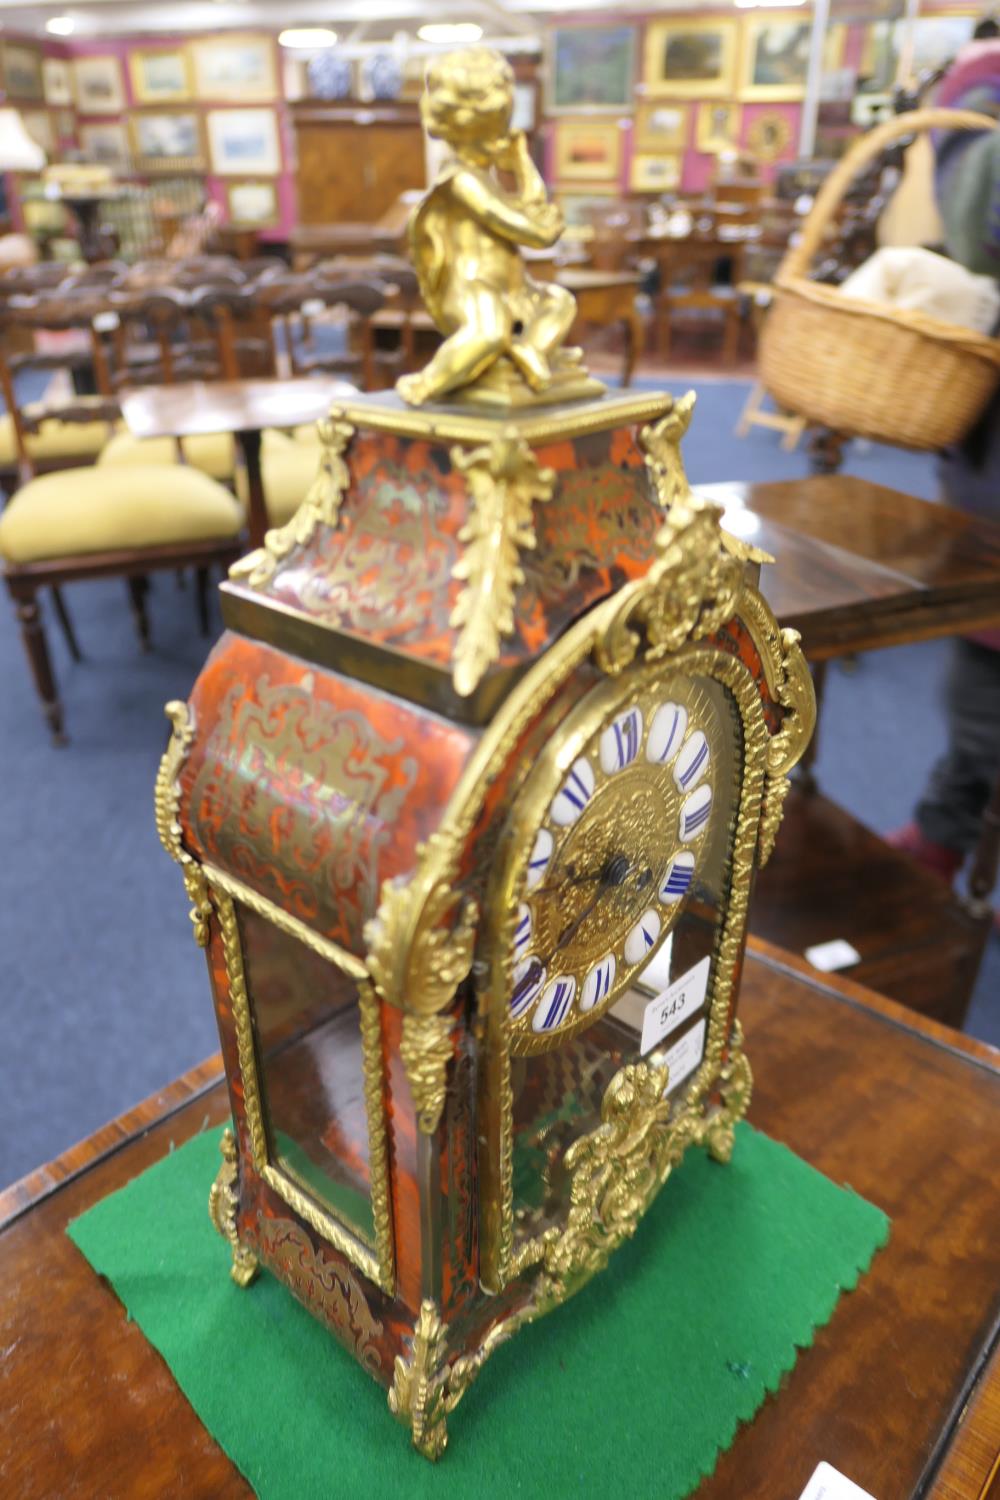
(468, 800)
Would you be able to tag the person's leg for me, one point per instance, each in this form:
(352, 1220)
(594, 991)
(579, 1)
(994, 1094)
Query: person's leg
(483, 335)
(950, 812)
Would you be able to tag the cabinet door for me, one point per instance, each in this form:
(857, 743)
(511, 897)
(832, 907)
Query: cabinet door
(352, 174)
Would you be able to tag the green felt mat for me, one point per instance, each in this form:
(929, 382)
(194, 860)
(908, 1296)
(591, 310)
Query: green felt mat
(632, 1388)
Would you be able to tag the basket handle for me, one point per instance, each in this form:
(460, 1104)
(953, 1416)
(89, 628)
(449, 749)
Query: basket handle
(798, 258)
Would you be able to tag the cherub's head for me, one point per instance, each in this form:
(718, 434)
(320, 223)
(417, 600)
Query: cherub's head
(468, 97)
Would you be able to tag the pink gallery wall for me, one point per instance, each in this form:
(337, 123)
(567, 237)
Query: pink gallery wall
(215, 185)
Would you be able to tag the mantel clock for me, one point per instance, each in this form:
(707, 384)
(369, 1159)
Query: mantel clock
(468, 800)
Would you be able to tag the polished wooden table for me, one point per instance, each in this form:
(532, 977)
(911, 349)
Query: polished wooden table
(899, 1391)
(858, 566)
(242, 407)
(604, 298)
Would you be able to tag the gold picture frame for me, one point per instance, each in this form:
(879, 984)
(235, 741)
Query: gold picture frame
(655, 173)
(39, 125)
(718, 127)
(161, 75)
(99, 84)
(769, 135)
(244, 142)
(690, 59)
(775, 56)
(588, 150)
(236, 69)
(166, 140)
(106, 142)
(253, 203)
(661, 125)
(57, 80)
(22, 72)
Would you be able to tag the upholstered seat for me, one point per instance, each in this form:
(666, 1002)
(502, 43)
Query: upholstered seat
(54, 440)
(76, 512)
(213, 453)
(287, 471)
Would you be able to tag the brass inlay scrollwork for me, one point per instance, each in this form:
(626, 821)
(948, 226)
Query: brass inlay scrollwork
(166, 805)
(320, 506)
(223, 1207)
(325, 1287)
(796, 694)
(504, 480)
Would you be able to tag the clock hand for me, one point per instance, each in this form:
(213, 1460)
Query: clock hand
(607, 877)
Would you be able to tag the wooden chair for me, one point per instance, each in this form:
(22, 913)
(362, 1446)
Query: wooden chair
(394, 328)
(690, 294)
(125, 521)
(293, 298)
(54, 434)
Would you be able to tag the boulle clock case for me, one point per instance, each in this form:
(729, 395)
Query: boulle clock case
(467, 801)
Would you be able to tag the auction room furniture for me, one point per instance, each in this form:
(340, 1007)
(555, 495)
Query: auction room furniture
(353, 162)
(900, 1390)
(860, 567)
(242, 407)
(98, 522)
(297, 301)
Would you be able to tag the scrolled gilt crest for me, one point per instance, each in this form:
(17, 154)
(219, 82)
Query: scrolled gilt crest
(321, 506)
(690, 591)
(166, 805)
(504, 480)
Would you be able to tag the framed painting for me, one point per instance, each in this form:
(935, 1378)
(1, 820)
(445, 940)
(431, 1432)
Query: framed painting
(160, 75)
(106, 143)
(590, 68)
(99, 86)
(690, 59)
(525, 112)
(38, 124)
(57, 81)
(661, 127)
(66, 124)
(588, 150)
(655, 174)
(244, 142)
(252, 205)
(237, 68)
(769, 135)
(22, 71)
(775, 57)
(167, 139)
(718, 126)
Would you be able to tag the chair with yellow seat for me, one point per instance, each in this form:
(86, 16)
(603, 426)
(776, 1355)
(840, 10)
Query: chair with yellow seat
(55, 432)
(99, 522)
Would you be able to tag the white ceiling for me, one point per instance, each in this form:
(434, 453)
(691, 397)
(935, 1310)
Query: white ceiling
(357, 20)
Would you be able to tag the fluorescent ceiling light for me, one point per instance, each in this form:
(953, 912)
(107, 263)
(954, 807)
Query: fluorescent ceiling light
(307, 38)
(61, 26)
(450, 31)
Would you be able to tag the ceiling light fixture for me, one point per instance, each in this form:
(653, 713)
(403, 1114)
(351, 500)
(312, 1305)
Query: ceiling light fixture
(450, 32)
(307, 38)
(60, 26)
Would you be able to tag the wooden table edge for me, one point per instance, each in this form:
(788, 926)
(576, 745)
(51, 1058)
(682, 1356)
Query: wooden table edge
(45, 1180)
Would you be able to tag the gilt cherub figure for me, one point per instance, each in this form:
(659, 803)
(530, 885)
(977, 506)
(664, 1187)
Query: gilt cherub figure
(503, 331)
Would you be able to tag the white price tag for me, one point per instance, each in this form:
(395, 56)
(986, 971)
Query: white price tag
(829, 1484)
(666, 1011)
(685, 1055)
(838, 954)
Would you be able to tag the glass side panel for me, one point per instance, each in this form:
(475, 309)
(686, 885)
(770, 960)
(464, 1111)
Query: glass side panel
(307, 1023)
(558, 1093)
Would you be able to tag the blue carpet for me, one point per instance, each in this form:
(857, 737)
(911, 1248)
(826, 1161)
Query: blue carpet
(106, 997)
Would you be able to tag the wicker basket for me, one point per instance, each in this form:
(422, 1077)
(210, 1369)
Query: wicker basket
(862, 369)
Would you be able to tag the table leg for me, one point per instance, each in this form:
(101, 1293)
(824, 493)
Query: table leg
(634, 339)
(256, 507)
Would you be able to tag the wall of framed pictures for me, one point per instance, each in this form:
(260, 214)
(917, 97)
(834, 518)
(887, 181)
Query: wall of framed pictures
(619, 106)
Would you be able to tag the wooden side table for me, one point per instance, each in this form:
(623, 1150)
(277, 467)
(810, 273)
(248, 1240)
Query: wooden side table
(900, 1391)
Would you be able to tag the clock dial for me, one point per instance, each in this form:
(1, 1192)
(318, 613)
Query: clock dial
(614, 856)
